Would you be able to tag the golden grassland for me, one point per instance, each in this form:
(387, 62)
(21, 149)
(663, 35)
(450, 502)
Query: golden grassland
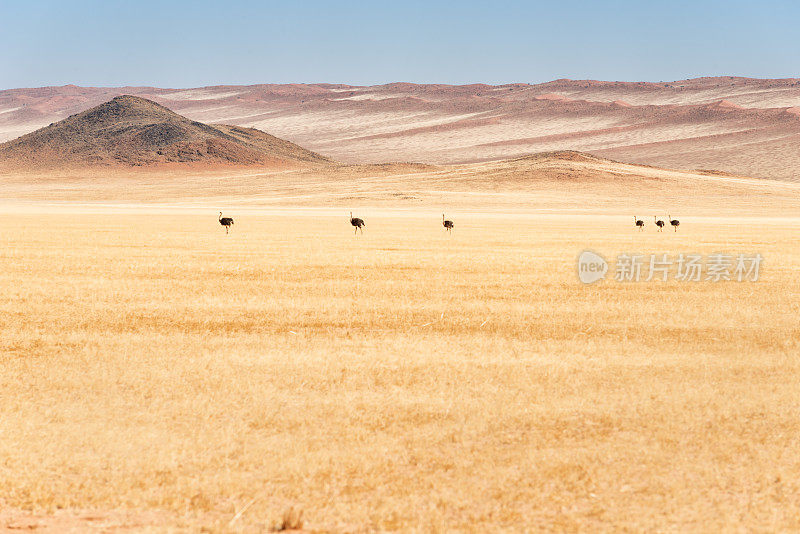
(158, 374)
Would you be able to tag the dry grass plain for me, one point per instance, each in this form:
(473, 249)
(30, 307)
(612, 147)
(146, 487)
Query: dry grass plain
(158, 375)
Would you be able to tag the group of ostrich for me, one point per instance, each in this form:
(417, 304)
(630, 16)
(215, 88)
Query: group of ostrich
(359, 224)
(659, 223)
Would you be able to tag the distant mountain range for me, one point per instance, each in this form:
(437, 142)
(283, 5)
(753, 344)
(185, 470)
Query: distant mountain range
(740, 125)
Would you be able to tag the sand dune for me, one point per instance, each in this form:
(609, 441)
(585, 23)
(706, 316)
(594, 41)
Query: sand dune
(557, 182)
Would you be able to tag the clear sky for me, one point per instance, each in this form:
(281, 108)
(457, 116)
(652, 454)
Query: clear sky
(196, 43)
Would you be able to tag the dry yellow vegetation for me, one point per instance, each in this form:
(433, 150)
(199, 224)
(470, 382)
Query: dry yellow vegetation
(158, 374)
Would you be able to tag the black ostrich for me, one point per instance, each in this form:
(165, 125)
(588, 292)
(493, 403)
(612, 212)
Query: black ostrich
(358, 223)
(448, 225)
(225, 221)
(674, 222)
(639, 223)
(659, 223)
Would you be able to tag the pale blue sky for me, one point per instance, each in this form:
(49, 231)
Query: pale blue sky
(188, 44)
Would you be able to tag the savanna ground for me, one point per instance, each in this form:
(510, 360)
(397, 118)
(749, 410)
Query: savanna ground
(156, 374)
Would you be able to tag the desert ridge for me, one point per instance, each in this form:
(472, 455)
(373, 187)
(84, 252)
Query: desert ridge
(744, 126)
(129, 131)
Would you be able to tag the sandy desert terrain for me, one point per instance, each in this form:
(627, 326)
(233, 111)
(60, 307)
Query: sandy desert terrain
(740, 125)
(564, 183)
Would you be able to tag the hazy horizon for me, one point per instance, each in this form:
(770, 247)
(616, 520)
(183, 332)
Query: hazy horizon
(401, 82)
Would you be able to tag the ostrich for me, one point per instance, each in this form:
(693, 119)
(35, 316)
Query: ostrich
(358, 223)
(225, 221)
(674, 222)
(639, 223)
(447, 224)
(660, 224)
